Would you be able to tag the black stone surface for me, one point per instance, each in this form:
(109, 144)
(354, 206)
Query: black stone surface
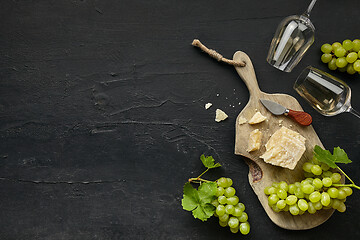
(102, 115)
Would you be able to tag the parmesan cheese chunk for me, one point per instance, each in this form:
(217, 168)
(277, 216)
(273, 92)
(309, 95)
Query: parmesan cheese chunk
(284, 148)
(257, 118)
(254, 140)
(220, 115)
(242, 120)
(208, 105)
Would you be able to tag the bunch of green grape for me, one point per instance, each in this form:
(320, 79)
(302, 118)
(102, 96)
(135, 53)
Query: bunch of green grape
(229, 210)
(315, 192)
(345, 57)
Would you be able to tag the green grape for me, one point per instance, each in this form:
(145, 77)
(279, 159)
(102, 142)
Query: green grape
(347, 190)
(311, 208)
(317, 183)
(266, 190)
(215, 203)
(342, 194)
(297, 184)
(291, 200)
(232, 200)
(327, 182)
(350, 69)
(234, 230)
(316, 169)
(324, 167)
(340, 52)
(326, 48)
(224, 218)
(356, 64)
(241, 206)
(342, 207)
(229, 192)
(341, 62)
(275, 208)
(222, 182)
(314, 160)
(332, 64)
(351, 57)
(237, 212)
(243, 217)
(315, 197)
(301, 212)
(244, 228)
(336, 45)
(223, 224)
(219, 191)
(347, 44)
(303, 205)
(292, 188)
(282, 194)
(229, 209)
(336, 203)
(307, 188)
(326, 57)
(343, 69)
(281, 204)
(271, 190)
(233, 222)
(307, 166)
(275, 185)
(222, 200)
(284, 186)
(229, 182)
(356, 45)
(220, 210)
(333, 192)
(325, 199)
(327, 174)
(286, 208)
(299, 193)
(273, 199)
(294, 209)
(318, 205)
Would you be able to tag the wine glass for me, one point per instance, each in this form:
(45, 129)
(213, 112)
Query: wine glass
(292, 39)
(327, 94)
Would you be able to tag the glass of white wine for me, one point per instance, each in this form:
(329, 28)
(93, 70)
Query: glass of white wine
(327, 94)
(293, 37)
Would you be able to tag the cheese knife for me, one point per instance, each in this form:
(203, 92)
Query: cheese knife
(300, 117)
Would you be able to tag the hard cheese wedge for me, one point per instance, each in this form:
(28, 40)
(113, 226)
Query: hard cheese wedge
(284, 148)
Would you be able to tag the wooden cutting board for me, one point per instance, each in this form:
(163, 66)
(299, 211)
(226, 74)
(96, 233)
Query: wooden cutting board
(262, 174)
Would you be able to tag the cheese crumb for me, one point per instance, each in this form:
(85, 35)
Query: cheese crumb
(257, 118)
(254, 140)
(284, 148)
(220, 115)
(242, 120)
(208, 105)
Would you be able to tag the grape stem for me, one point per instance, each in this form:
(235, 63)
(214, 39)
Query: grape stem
(198, 180)
(346, 185)
(346, 175)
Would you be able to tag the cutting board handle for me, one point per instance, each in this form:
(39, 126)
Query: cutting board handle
(247, 73)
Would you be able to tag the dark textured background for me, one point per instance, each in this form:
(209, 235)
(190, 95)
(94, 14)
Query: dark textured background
(103, 120)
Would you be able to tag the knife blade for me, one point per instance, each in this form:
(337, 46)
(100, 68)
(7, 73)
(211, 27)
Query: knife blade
(300, 117)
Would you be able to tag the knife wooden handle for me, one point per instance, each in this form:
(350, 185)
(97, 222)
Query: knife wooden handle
(302, 118)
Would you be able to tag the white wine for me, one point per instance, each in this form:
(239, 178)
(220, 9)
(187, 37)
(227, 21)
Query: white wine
(326, 95)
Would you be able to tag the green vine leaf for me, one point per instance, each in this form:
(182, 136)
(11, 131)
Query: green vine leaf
(209, 162)
(199, 201)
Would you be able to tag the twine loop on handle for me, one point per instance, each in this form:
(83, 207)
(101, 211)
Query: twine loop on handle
(214, 54)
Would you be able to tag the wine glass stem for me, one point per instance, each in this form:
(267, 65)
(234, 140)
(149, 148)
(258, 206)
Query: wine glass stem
(310, 7)
(354, 112)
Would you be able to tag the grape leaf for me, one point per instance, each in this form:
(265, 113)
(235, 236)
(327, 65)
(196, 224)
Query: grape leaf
(198, 201)
(338, 156)
(324, 156)
(209, 162)
(341, 156)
